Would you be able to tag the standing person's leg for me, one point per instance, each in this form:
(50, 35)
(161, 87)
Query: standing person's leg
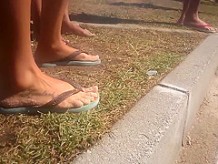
(192, 19)
(184, 10)
(36, 8)
(192, 12)
(69, 26)
(23, 86)
(15, 47)
(50, 48)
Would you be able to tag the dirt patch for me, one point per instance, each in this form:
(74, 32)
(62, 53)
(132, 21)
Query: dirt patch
(202, 142)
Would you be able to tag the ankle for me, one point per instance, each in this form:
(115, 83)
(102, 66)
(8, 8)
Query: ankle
(191, 17)
(45, 45)
(19, 81)
(66, 26)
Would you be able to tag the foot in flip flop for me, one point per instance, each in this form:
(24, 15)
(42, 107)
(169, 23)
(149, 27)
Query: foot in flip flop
(200, 25)
(63, 55)
(50, 95)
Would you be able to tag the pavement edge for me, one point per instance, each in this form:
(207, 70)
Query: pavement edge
(153, 131)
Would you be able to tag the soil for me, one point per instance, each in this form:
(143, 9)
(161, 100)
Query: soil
(202, 142)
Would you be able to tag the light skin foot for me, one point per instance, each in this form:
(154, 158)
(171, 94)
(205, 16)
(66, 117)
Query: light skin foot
(22, 83)
(45, 89)
(59, 51)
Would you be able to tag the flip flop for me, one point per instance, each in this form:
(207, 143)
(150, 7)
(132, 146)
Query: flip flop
(68, 61)
(51, 106)
(202, 28)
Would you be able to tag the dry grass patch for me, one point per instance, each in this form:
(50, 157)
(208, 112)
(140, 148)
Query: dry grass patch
(126, 56)
(156, 13)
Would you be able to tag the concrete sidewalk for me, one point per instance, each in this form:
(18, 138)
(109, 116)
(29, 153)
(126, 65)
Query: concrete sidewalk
(153, 131)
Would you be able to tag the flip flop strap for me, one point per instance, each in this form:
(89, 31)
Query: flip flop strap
(72, 55)
(75, 85)
(60, 98)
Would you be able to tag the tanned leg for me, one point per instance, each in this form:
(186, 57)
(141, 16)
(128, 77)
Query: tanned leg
(192, 19)
(22, 83)
(36, 7)
(50, 47)
(69, 26)
(192, 12)
(184, 10)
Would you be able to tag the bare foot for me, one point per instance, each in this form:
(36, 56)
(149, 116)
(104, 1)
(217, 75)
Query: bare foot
(44, 89)
(60, 51)
(74, 28)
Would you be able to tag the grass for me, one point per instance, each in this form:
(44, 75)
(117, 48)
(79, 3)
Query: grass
(127, 55)
(144, 12)
(122, 77)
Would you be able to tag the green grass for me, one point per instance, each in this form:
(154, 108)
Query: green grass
(126, 56)
(122, 78)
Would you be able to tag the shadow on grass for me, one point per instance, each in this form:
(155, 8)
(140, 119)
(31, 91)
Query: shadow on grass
(96, 19)
(156, 7)
(211, 3)
(143, 5)
(178, 0)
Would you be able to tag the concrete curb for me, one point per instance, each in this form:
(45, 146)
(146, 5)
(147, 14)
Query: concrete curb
(153, 131)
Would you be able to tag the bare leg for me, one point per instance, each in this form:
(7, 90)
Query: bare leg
(69, 26)
(22, 83)
(36, 7)
(50, 47)
(192, 12)
(184, 10)
(190, 18)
